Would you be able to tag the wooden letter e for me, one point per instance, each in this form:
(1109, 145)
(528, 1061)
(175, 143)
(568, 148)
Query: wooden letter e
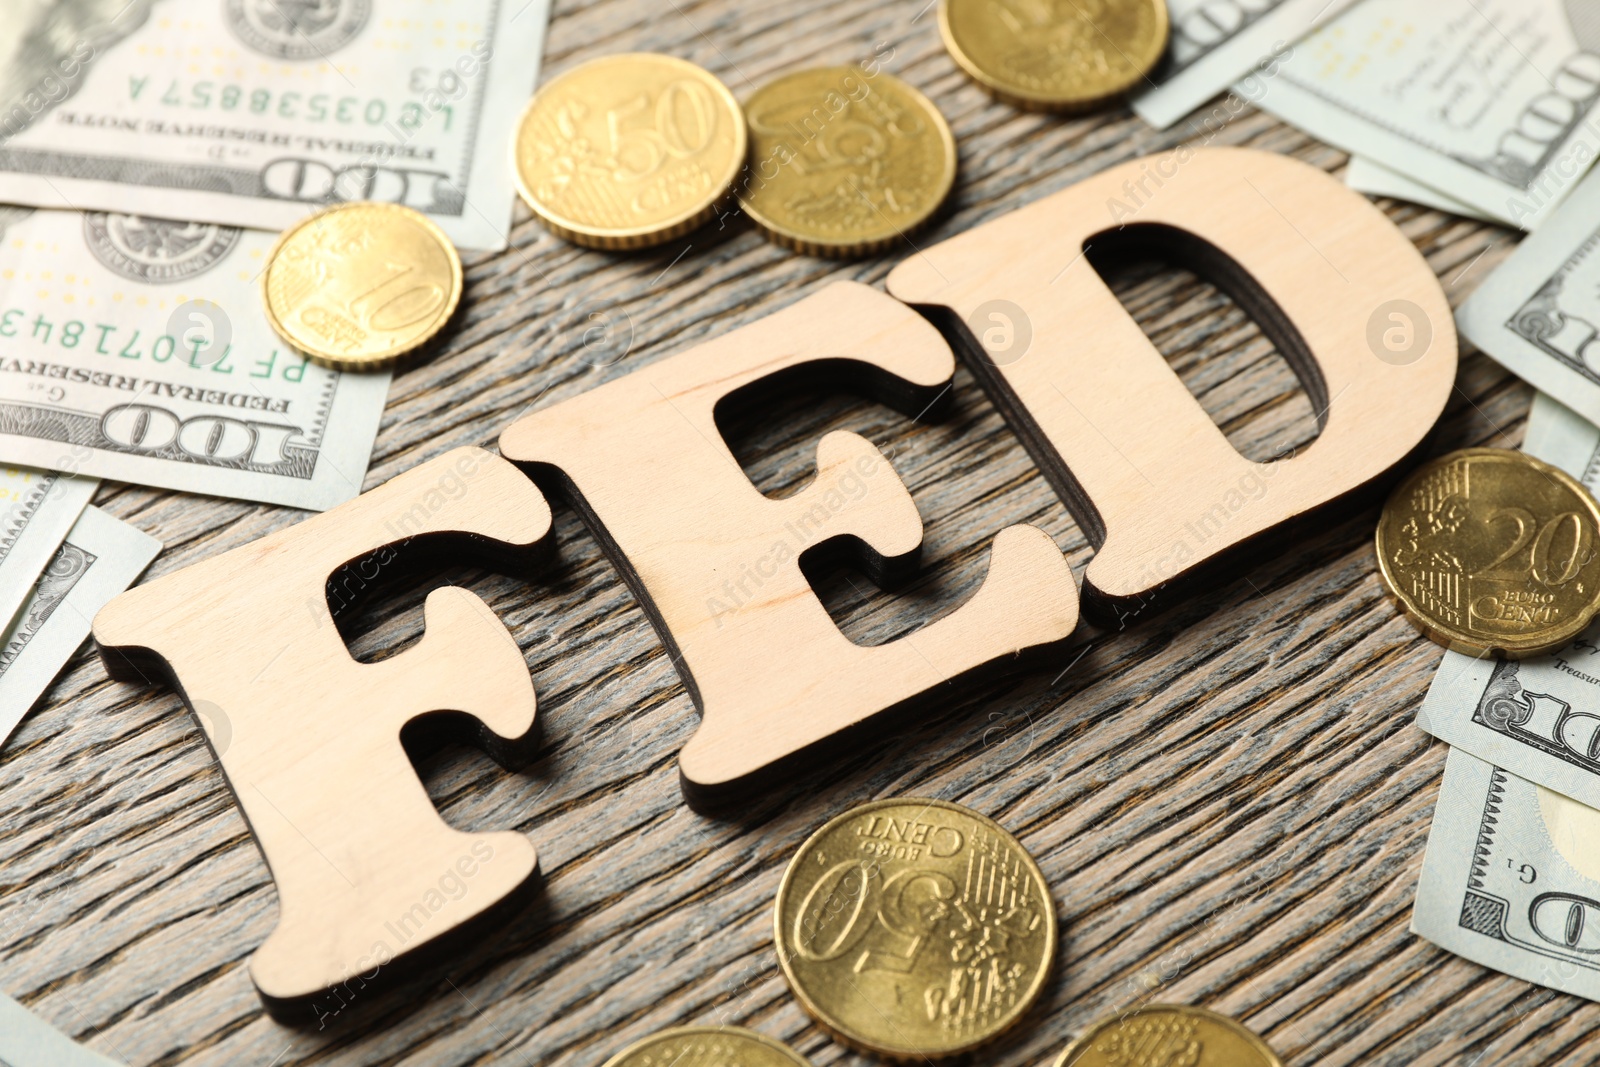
(716, 563)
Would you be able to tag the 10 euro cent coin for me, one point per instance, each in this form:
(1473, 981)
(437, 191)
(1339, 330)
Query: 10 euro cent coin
(361, 285)
(914, 928)
(1491, 551)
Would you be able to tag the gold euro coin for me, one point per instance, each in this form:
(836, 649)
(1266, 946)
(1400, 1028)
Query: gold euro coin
(708, 1046)
(1055, 55)
(844, 163)
(914, 928)
(1490, 551)
(360, 285)
(628, 151)
(1168, 1034)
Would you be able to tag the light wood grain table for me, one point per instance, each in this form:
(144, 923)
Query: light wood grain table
(1230, 801)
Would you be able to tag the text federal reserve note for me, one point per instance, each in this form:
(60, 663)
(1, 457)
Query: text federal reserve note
(135, 348)
(253, 112)
(1539, 718)
(1215, 42)
(37, 508)
(1512, 878)
(99, 559)
(1488, 101)
(1538, 314)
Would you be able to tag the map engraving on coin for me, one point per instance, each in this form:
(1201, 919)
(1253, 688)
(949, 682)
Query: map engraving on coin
(156, 250)
(914, 928)
(298, 29)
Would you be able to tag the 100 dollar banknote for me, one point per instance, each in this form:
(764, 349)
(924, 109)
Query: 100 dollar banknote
(1538, 718)
(1492, 102)
(1538, 314)
(1512, 878)
(1215, 42)
(252, 112)
(134, 348)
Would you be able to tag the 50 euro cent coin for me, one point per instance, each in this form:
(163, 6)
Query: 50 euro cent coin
(628, 151)
(914, 928)
(1492, 552)
(361, 285)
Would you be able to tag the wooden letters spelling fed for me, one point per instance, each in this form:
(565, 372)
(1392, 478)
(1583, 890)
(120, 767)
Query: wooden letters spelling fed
(368, 873)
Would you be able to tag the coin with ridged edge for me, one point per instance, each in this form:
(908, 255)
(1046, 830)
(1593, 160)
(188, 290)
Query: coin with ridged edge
(844, 162)
(361, 285)
(628, 151)
(1492, 552)
(1165, 1034)
(914, 928)
(1055, 55)
(708, 1046)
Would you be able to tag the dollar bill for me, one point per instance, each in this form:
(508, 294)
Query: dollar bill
(1365, 176)
(135, 348)
(1492, 102)
(1512, 878)
(1539, 718)
(1215, 42)
(252, 112)
(37, 509)
(28, 1041)
(100, 558)
(1538, 314)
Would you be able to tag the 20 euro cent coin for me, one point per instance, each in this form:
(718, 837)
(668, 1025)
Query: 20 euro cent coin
(1491, 551)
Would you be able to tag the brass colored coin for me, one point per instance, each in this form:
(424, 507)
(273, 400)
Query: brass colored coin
(913, 928)
(1490, 551)
(1055, 55)
(1168, 1034)
(628, 151)
(708, 1046)
(843, 163)
(360, 285)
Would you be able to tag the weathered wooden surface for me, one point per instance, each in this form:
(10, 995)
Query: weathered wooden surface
(1230, 801)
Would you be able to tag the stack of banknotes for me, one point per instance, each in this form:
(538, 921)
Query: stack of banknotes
(150, 150)
(1512, 873)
